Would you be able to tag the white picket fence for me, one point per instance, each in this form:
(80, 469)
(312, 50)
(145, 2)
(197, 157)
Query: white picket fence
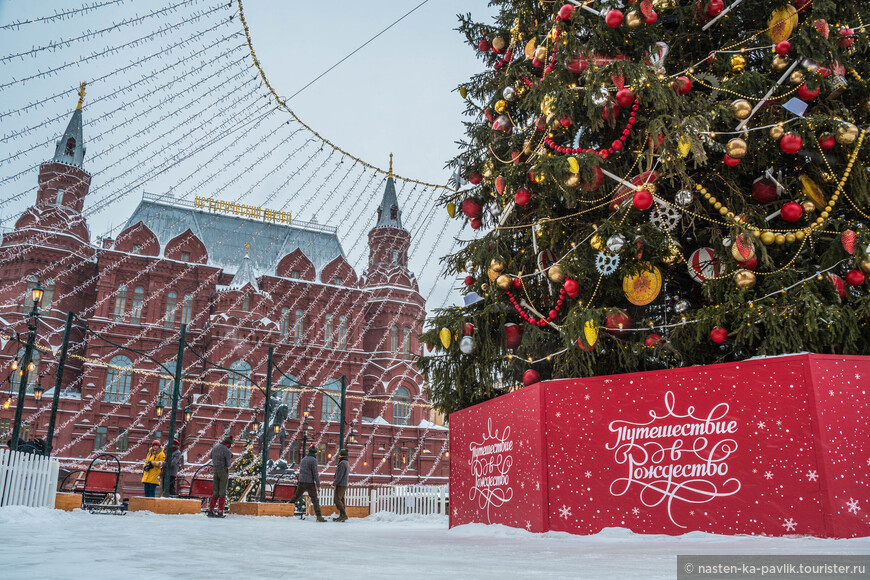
(399, 499)
(27, 479)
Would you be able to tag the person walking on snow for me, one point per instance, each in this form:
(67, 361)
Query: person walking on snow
(151, 472)
(340, 484)
(309, 481)
(175, 463)
(221, 458)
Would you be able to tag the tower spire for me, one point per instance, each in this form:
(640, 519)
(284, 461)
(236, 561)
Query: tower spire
(391, 166)
(71, 146)
(81, 96)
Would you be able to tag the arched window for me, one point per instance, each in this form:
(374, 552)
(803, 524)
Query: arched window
(299, 327)
(32, 375)
(47, 295)
(118, 380)
(295, 275)
(70, 147)
(288, 397)
(136, 307)
(237, 393)
(331, 410)
(120, 302)
(394, 341)
(28, 294)
(187, 309)
(327, 331)
(394, 212)
(342, 332)
(285, 324)
(246, 303)
(169, 315)
(406, 343)
(402, 406)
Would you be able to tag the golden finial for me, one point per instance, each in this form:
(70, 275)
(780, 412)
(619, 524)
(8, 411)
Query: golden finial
(81, 96)
(391, 165)
(247, 247)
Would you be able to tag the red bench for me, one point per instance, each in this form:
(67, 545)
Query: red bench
(100, 488)
(201, 487)
(282, 491)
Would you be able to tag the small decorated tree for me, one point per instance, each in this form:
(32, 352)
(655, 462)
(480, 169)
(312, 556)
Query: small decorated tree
(246, 470)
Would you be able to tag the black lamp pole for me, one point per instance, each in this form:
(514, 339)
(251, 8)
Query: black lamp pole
(36, 295)
(61, 363)
(176, 394)
(266, 427)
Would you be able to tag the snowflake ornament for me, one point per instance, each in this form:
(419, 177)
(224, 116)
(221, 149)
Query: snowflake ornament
(812, 475)
(790, 525)
(564, 512)
(853, 506)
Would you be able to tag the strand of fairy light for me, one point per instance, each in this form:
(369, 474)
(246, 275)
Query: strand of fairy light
(62, 15)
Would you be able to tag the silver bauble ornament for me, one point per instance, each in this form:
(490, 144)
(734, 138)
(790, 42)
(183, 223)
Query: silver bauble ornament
(600, 97)
(683, 197)
(466, 345)
(615, 243)
(726, 241)
(509, 93)
(681, 306)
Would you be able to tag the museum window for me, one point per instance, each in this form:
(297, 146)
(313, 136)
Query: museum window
(295, 274)
(238, 391)
(187, 309)
(288, 397)
(402, 406)
(120, 302)
(331, 410)
(100, 439)
(136, 307)
(299, 327)
(47, 295)
(406, 343)
(118, 380)
(246, 303)
(327, 331)
(185, 256)
(285, 324)
(342, 332)
(394, 341)
(169, 315)
(121, 442)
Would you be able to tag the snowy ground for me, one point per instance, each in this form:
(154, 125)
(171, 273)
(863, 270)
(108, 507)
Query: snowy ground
(44, 543)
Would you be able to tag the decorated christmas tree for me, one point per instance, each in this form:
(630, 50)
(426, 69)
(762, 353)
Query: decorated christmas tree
(245, 472)
(654, 185)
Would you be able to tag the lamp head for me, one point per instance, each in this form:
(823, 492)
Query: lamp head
(37, 392)
(36, 293)
(188, 414)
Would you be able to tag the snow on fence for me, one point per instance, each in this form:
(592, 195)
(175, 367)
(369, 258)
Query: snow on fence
(409, 499)
(27, 479)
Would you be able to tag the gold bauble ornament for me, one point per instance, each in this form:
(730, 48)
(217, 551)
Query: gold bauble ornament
(808, 206)
(573, 180)
(491, 274)
(846, 134)
(521, 90)
(741, 109)
(529, 50)
(541, 53)
(487, 168)
(865, 264)
(672, 255)
(484, 287)
(497, 264)
(797, 78)
(663, 4)
(744, 279)
(501, 106)
(556, 273)
(499, 43)
(504, 282)
(633, 20)
(768, 238)
(547, 104)
(527, 147)
(598, 243)
(779, 64)
(776, 132)
(445, 335)
(736, 148)
(738, 64)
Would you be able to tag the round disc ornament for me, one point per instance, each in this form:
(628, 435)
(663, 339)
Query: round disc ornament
(643, 288)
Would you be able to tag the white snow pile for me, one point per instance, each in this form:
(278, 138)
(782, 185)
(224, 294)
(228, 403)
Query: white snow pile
(44, 543)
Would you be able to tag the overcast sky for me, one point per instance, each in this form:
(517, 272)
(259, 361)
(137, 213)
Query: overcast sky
(150, 127)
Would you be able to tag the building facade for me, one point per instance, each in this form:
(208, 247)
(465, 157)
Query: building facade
(240, 285)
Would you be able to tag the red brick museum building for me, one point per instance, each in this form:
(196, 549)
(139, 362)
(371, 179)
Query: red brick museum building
(241, 279)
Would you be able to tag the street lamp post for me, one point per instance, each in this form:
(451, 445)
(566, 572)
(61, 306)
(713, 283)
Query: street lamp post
(176, 394)
(61, 363)
(36, 296)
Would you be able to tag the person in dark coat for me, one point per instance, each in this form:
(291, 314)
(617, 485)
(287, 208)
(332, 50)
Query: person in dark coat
(221, 458)
(340, 484)
(175, 464)
(308, 481)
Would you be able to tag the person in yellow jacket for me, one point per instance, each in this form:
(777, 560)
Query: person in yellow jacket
(153, 462)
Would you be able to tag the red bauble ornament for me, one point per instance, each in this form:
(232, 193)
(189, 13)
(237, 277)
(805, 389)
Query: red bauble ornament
(846, 39)
(476, 224)
(801, 4)
(597, 181)
(616, 145)
(484, 46)
(577, 63)
(653, 339)
(642, 199)
(513, 334)
(522, 196)
(715, 7)
(839, 285)
(618, 321)
(475, 178)
(469, 280)
(468, 329)
(783, 47)
(614, 18)
(565, 121)
(827, 141)
(764, 191)
(790, 143)
(652, 18)
(518, 283)
(624, 98)
(791, 212)
(610, 112)
(472, 209)
(855, 278)
(583, 346)
(807, 93)
(530, 377)
(572, 288)
(750, 264)
(566, 11)
(682, 85)
(537, 63)
(730, 161)
(718, 335)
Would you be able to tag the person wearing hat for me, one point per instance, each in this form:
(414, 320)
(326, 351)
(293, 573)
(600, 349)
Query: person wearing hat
(221, 458)
(342, 470)
(308, 481)
(151, 471)
(175, 464)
